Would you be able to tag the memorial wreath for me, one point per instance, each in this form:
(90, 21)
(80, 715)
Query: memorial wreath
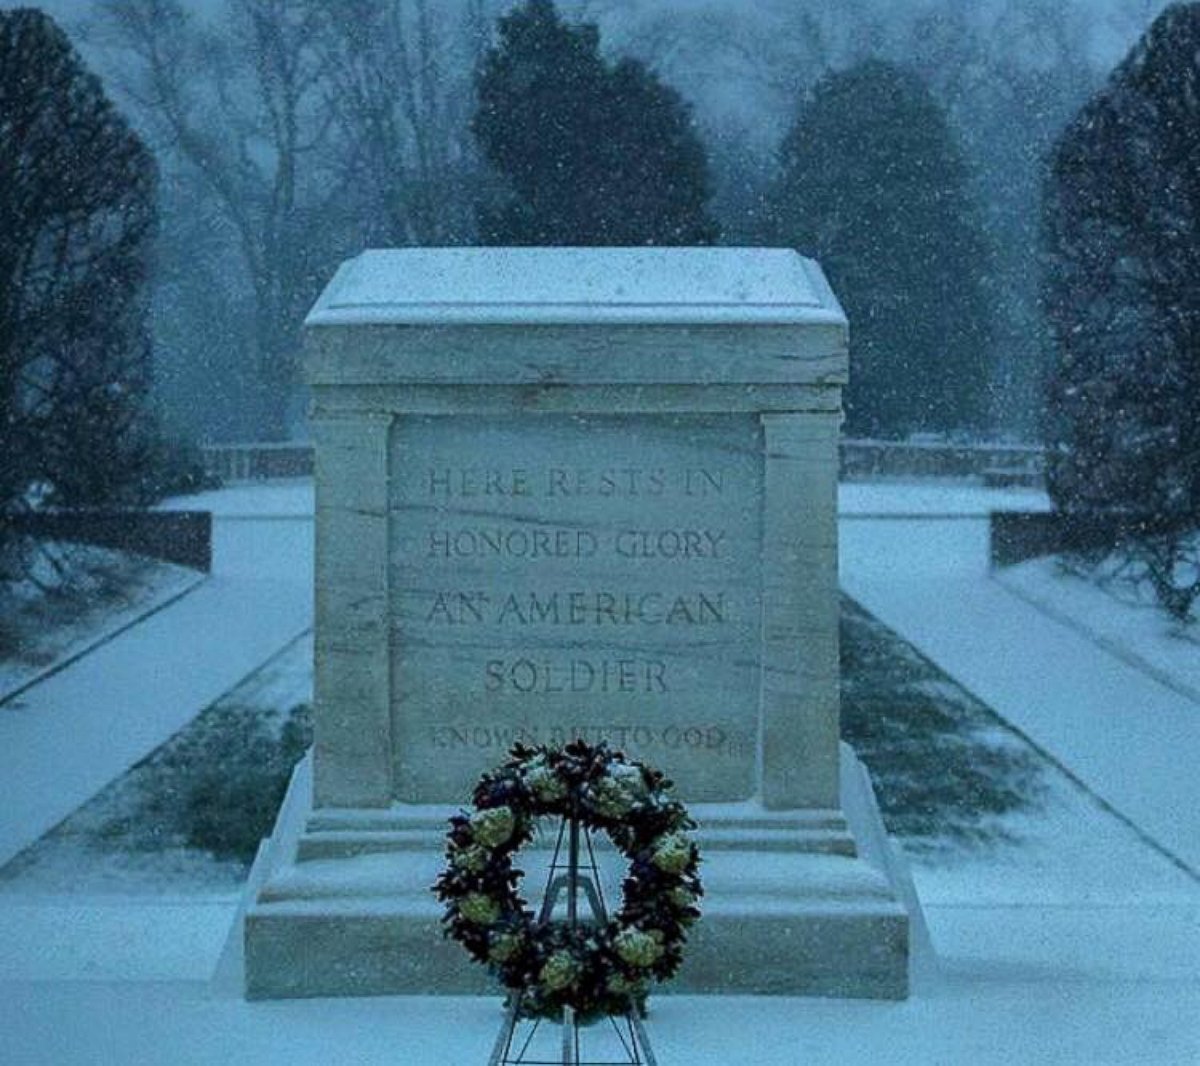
(595, 969)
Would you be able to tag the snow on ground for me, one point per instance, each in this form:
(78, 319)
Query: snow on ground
(1086, 892)
(928, 498)
(288, 498)
(110, 938)
(133, 839)
(106, 592)
(68, 737)
(980, 1017)
(1080, 892)
(1132, 740)
(63, 740)
(1080, 945)
(1138, 632)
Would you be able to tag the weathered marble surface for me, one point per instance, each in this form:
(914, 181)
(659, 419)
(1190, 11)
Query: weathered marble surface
(549, 286)
(563, 576)
(818, 921)
(572, 492)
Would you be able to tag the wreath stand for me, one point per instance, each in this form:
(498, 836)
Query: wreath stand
(511, 1048)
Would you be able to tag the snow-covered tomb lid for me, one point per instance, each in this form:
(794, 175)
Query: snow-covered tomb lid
(565, 286)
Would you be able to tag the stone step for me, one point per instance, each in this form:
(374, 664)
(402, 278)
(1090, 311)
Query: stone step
(343, 843)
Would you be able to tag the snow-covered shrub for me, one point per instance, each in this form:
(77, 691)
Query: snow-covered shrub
(1122, 255)
(77, 218)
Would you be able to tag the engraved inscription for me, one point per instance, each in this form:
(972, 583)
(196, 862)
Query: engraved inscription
(670, 738)
(577, 607)
(550, 595)
(576, 676)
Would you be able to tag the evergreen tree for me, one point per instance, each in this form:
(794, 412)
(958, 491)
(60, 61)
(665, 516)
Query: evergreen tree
(873, 185)
(1121, 293)
(77, 214)
(591, 153)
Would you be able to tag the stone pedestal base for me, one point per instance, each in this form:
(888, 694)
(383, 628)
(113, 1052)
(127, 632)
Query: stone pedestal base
(791, 905)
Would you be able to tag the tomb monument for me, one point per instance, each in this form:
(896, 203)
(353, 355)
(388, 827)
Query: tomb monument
(576, 493)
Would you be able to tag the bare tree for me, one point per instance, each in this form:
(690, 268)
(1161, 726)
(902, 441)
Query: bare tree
(400, 87)
(241, 101)
(316, 128)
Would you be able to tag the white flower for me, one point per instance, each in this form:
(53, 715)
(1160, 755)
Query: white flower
(638, 948)
(619, 791)
(472, 858)
(493, 827)
(479, 909)
(610, 798)
(545, 783)
(630, 776)
(672, 853)
(559, 971)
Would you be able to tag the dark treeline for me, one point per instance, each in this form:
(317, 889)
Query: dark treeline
(292, 133)
(1121, 243)
(1009, 74)
(77, 217)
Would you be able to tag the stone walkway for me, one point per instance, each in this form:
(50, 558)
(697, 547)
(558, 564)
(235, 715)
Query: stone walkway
(1128, 738)
(1084, 981)
(67, 737)
(977, 1017)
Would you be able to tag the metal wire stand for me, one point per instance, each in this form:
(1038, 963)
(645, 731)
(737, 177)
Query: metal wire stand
(626, 1036)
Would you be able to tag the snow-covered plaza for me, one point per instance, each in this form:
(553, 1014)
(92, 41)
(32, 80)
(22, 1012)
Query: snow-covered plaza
(1078, 941)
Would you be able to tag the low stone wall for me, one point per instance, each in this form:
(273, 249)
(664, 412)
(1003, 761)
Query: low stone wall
(182, 537)
(1000, 465)
(995, 464)
(258, 462)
